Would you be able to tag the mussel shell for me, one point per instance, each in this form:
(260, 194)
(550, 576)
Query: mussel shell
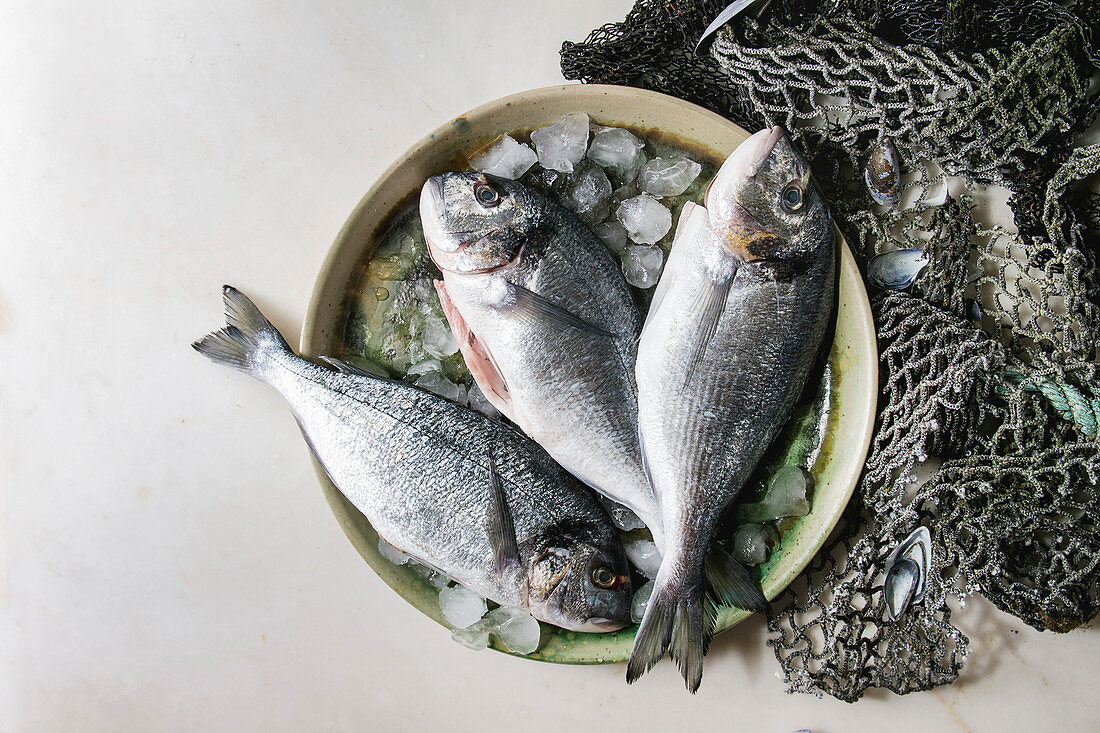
(883, 173)
(896, 270)
(973, 311)
(900, 588)
(918, 548)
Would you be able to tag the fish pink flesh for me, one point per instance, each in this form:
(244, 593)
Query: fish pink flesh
(478, 360)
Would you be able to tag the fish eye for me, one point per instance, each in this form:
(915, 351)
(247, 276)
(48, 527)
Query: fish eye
(486, 195)
(604, 577)
(792, 198)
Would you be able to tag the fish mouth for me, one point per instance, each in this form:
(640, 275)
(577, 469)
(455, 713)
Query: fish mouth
(431, 215)
(443, 245)
(432, 206)
(760, 145)
(743, 164)
(602, 625)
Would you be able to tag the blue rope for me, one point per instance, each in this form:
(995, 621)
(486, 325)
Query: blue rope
(1066, 399)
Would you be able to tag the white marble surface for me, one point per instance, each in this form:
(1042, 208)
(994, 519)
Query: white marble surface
(167, 561)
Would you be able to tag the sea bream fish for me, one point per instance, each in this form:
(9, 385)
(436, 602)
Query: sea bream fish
(546, 323)
(471, 497)
(735, 327)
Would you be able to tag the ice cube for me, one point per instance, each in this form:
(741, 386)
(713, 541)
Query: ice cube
(595, 215)
(391, 553)
(437, 579)
(589, 189)
(437, 337)
(416, 352)
(645, 219)
(668, 176)
(548, 181)
(504, 157)
(561, 146)
(642, 553)
(461, 606)
(752, 543)
(479, 402)
(516, 629)
(618, 151)
(624, 192)
(784, 497)
(424, 291)
(623, 518)
(642, 264)
(428, 365)
(436, 382)
(474, 637)
(613, 234)
(640, 601)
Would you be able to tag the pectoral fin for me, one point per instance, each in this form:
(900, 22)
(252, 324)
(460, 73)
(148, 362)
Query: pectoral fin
(344, 367)
(529, 304)
(502, 531)
(709, 303)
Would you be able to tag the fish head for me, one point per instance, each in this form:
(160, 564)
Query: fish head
(764, 203)
(584, 587)
(475, 222)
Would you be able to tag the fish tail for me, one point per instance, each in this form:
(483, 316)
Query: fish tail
(248, 340)
(680, 620)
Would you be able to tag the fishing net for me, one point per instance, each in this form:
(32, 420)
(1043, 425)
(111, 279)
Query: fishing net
(988, 369)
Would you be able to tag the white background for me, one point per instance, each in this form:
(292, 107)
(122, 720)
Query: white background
(167, 561)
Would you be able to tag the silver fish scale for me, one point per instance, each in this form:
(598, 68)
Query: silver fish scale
(581, 406)
(417, 466)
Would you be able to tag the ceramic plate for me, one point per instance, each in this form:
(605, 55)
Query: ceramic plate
(830, 433)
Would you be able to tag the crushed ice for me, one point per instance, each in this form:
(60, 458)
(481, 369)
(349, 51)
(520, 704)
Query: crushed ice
(479, 402)
(785, 497)
(645, 219)
(642, 264)
(461, 606)
(668, 176)
(516, 629)
(618, 151)
(504, 157)
(613, 234)
(642, 553)
(561, 146)
(752, 543)
(391, 553)
(640, 601)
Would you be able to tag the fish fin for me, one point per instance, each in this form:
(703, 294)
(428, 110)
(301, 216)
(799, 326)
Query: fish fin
(530, 304)
(680, 620)
(692, 216)
(502, 531)
(731, 584)
(478, 359)
(248, 340)
(709, 303)
(344, 367)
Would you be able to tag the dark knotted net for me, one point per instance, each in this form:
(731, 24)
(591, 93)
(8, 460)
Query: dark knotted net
(983, 101)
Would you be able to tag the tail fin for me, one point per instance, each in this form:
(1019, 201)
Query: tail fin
(730, 583)
(248, 338)
(682, 613)
(679, 619)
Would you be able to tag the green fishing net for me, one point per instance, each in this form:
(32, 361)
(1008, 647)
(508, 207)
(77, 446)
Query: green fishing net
(988, 363)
